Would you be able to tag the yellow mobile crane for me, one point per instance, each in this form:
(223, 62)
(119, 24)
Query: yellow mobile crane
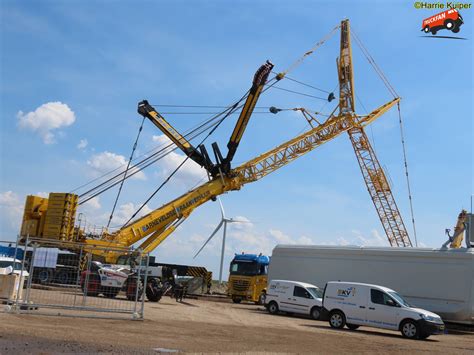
(54, 218)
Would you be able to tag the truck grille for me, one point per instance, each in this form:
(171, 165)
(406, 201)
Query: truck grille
(240, 285)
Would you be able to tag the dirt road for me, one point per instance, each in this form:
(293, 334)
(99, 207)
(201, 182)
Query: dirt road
(205, 326)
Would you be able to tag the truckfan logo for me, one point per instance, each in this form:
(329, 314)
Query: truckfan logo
(450, 20)
(350, 291)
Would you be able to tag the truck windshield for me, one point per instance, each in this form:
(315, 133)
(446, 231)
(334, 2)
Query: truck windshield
(246, 268)
(399, 299)
(5, 264)
(315, 292)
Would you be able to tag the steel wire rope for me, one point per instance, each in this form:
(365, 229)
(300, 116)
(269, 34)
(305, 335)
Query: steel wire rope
(406, 172)
(200, 125)
(300, 93)
(304, 84)
(138, 170)
(236, 106)
(179, 166)
(125, 173)
(138, 167)
(377, 69)
(395, 95)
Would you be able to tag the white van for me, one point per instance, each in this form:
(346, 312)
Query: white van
(354, 304)
(293, 297)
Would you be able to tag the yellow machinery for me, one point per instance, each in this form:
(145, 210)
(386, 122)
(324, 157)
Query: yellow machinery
(459, 229)
(248, 278)
(152, 229)
(372, 172)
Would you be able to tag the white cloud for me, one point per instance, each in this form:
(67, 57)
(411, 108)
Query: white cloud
(82, 144)
(11, 212)
(189, 173)
(358, 239)
(93, 204)
(126, 210)
(42, 194)
(47, 118)
(93, 218)
(105, 162)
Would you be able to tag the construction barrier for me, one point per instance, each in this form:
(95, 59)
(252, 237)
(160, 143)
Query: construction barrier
(51, 279)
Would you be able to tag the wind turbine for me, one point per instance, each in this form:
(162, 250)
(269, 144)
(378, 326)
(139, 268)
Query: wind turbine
(223, 222)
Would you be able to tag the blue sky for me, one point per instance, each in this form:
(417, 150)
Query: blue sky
(101, 57)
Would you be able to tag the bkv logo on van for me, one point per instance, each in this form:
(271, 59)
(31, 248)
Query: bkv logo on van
(447, 20)
(350, 291)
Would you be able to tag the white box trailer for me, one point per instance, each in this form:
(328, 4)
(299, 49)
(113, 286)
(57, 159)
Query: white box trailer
(438, 280)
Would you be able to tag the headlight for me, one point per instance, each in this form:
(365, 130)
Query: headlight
(431, 318)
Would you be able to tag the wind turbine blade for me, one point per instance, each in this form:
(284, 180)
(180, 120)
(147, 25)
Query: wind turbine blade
(208, 239)
(222, 208)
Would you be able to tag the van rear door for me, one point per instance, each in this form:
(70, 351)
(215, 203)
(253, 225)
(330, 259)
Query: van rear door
(354, 302)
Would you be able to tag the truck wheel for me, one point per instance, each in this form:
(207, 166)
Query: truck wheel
(131, 290)
(409, 329)
(236, 299)
(449, 24)
(93, 285)
(272, 307)
(352, 326)
(261, 299)
(337, 319)
(433, 32)
(316, 313)
(426, 29)
(153, 291)
(455, 29)
(63, 277)
(45, 276)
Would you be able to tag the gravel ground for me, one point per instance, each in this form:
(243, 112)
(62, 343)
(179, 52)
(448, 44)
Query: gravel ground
(207, 326)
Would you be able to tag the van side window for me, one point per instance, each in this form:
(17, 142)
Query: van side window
(379, 297)
(301, 292)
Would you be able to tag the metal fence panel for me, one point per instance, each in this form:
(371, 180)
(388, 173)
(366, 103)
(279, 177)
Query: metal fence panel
(61, 282)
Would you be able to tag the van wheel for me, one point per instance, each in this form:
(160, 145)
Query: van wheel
(352, 326)
(337, 320)
(449, 24)
(272, 307)
(316, 313)
(409, 329)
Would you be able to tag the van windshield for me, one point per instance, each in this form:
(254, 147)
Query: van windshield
(315, 292)
(399, 299)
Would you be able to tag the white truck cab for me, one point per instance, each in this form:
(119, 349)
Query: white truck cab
(9, 265)
(293, 297)
(354, 304)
